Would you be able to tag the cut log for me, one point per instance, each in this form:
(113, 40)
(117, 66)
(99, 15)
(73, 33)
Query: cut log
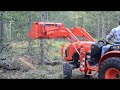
(27, 62)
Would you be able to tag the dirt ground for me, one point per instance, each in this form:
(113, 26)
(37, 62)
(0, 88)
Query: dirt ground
(30, 69)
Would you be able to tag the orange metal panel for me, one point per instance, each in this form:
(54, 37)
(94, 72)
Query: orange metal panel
(108, 55)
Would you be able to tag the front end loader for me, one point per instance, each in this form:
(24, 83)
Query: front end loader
(79, 52)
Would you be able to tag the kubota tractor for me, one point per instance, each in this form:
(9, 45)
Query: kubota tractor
(80, 53)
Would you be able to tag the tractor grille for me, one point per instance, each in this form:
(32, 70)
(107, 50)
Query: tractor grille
(66, 53)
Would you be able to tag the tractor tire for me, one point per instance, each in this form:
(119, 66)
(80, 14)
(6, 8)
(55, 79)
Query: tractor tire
(110, 69)
(67, 71)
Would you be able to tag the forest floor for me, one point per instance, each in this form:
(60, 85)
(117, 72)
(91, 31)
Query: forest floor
(32, 70)
(20, 65)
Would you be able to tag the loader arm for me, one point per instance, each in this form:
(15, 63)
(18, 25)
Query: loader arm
(51, 30)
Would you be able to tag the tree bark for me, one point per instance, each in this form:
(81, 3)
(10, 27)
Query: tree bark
(1, 31)
(29, 40)
(10, 30)
(108, 27)
(118, 17)
(103, 27)
(42, 44)
(98, 34)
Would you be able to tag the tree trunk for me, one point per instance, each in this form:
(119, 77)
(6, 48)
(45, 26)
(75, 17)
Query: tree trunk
(118, 17)
(82, 22)
(98, 34)
(103, 27)
(29, 46)
(1, 28)
(108, 27)
(42, 44)
(1, 33)
(47, 15)
(5, 25)
(29, 39)
(10, 28)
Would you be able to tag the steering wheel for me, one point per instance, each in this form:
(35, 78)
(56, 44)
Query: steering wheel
(104, 42)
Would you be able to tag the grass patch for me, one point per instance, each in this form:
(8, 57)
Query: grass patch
(52, 52)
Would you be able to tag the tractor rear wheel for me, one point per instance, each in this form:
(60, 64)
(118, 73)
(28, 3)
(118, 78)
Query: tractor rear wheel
(67, 71)
(110, 69)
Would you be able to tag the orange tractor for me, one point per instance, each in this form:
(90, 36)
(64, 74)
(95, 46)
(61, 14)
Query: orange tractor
(80, 52)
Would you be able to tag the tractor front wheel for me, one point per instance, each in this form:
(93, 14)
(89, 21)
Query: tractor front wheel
(110, 69)
(67, 71)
